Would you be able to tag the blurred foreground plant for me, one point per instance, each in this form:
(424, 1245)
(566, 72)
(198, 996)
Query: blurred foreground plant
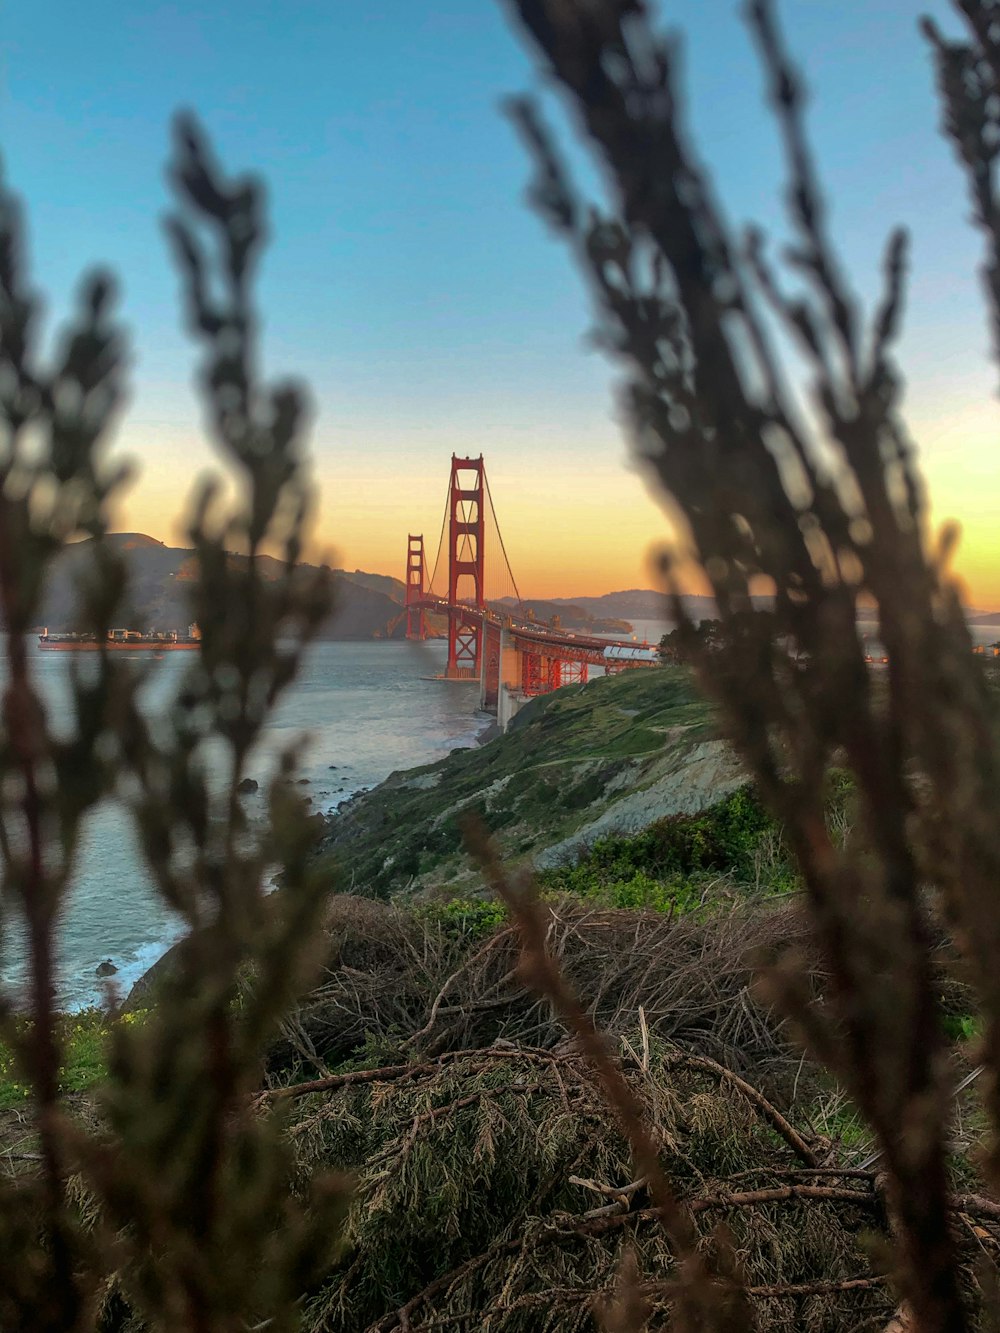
(194, 1206)
(820, 506)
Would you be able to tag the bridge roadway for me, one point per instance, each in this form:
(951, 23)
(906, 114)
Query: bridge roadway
(529, 637)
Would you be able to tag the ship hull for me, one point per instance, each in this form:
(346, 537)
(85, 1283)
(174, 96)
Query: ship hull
(113, 646)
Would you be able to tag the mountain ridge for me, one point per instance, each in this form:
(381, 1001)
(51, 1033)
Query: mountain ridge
(366, 606)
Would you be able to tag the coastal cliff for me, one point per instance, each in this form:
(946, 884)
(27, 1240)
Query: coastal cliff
(577, 768)
(587, 762)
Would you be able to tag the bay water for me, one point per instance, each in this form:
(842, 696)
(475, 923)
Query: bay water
(363, 710)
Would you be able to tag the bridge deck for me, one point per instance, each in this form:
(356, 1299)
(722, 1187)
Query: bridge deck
(529, 636)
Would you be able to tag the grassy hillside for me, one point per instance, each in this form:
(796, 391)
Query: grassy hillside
(578, 765)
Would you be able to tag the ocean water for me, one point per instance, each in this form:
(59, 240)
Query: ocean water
(364, 710)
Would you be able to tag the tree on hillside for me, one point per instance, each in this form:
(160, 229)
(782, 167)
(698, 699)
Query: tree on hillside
(690, 639)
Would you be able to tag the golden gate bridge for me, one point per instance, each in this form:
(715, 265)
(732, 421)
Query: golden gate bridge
(491, 637)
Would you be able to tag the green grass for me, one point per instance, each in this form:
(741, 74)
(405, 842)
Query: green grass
(83, 1036)
(962, 1027)
(838, 1119)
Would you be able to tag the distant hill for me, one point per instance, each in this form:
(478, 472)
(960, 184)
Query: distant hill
(633, 604)
(380, 583)
(158, 577)
(572, 615)
(614, 612)
(366, 604)
(645, 604)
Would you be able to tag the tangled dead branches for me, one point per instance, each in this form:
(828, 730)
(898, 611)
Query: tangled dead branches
(533, 1194)
(413, 987)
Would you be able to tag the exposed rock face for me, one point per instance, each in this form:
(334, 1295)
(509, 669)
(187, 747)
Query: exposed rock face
(694, 779)
(144, 993)
(106, 969)
(248, 786)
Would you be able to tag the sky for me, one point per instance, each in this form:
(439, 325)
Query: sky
(410, 285)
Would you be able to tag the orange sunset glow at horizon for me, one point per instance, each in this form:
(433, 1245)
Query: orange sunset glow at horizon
(566, 535)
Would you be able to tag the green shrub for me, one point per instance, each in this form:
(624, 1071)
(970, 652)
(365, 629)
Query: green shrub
(467, 917)
(666, 866)
(962, 1027)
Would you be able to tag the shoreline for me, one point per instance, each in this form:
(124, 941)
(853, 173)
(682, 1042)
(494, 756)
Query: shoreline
(130, 970)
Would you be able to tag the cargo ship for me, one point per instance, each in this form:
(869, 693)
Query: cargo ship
(122, 640)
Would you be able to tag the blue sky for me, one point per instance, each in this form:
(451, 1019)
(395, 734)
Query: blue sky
(408, 282)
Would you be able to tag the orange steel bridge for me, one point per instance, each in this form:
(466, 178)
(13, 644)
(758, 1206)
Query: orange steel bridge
(490, 638)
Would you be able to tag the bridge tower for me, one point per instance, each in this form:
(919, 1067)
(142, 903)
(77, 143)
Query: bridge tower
(416, 619)
(466, 542)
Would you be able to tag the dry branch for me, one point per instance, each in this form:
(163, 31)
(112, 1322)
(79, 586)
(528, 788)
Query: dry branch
(544, 975)
(389, 1073)
(783, 1127)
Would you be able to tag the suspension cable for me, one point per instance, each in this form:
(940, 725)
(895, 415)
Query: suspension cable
(444, 524)
(489, 496)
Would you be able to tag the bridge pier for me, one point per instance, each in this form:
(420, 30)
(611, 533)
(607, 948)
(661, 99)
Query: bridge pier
(501, 665)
